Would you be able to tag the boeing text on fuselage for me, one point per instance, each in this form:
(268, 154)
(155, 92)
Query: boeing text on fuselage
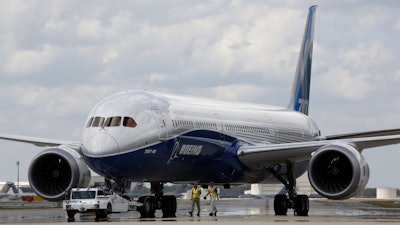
(184, 149)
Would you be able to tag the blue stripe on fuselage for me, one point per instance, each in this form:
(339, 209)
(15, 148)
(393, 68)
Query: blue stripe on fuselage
(199, 155)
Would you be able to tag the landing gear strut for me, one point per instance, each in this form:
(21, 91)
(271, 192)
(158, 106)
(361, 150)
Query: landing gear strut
(291, 200)
(167, 203)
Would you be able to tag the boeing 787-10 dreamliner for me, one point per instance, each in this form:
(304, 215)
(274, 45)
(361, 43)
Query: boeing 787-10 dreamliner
(147, 136)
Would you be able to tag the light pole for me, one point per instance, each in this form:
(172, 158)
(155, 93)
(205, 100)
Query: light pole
(18, 176)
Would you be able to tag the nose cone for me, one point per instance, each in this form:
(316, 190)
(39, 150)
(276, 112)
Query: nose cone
(100, 145)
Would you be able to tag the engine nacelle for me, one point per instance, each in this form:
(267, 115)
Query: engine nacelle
(54, 170)
(338, 171)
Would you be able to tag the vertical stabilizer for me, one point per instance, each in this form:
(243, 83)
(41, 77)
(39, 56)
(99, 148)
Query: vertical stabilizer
(301, 87)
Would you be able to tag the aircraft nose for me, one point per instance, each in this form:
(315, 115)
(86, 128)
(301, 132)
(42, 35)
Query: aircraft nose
(101, 144)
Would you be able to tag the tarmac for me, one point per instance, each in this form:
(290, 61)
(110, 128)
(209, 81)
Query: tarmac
(230, 212)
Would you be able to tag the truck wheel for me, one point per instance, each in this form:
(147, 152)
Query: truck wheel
(101, 214)
(71, 215)
(109, 208)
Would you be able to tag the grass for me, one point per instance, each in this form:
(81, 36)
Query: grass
(384, 203)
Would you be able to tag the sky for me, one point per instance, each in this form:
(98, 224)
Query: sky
(58, 58)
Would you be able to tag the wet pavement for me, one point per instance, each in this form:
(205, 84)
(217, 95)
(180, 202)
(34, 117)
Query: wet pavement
(230, 211)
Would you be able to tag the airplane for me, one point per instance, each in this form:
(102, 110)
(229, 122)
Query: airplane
(6, 188)
(148, 136)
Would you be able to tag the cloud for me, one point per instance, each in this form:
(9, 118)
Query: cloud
(157, 78)
(396, 26)
(54, 25)
(366, 55)
(238, 92)
(340, 82)
(355, 73)
(96, 27)
(247, 44)
(28, 62)
(110, 56)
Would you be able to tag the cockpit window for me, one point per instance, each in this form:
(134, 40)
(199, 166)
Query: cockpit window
(113, 121)
(98, 121)
(129, 122)
(89, 123)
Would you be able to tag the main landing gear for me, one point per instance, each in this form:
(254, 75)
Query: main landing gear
(167, 203)
(291, 200)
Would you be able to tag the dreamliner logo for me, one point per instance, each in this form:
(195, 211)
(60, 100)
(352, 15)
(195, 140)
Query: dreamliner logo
(185, 149)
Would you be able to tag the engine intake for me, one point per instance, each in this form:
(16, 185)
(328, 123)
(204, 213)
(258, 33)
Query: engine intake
(338, 171)
(54, 170)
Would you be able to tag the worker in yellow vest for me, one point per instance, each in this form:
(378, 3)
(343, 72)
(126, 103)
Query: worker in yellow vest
(214, 196)
(196, 192)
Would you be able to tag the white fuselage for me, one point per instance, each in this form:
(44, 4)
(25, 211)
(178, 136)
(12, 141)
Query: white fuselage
(160, 118)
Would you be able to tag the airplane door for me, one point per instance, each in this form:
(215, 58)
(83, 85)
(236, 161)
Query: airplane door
(163, 122)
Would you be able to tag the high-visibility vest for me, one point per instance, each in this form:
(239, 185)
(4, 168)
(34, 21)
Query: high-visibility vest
(213, 191)
(196, 192)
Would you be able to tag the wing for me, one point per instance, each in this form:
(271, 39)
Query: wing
(364, 134)
(41, 142)
(261, 156)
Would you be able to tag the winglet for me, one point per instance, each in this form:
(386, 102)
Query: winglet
(299, 99)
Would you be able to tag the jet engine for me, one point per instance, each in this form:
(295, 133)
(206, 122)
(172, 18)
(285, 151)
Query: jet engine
(338, 171)
(54, 170)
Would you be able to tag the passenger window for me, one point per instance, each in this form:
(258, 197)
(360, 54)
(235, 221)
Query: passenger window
(113, 121)
(129, 122)
(98, 122)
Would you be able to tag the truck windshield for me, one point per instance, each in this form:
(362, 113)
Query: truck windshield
(83, 195)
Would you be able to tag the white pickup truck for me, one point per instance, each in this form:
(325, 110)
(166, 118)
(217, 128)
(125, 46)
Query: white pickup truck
(96, 200)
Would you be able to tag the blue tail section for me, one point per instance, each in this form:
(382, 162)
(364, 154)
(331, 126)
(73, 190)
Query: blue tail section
(301, 87)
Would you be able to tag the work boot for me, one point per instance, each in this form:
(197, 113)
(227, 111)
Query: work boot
(211, 214)
(191, 214)
(215, 214)
(198, 214)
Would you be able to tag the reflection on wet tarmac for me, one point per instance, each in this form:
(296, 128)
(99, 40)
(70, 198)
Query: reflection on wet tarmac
(228, 210)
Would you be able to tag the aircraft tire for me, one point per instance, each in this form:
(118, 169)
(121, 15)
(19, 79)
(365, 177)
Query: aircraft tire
(280, 205)
(302, 205)
(169, 206)
(148, 209)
